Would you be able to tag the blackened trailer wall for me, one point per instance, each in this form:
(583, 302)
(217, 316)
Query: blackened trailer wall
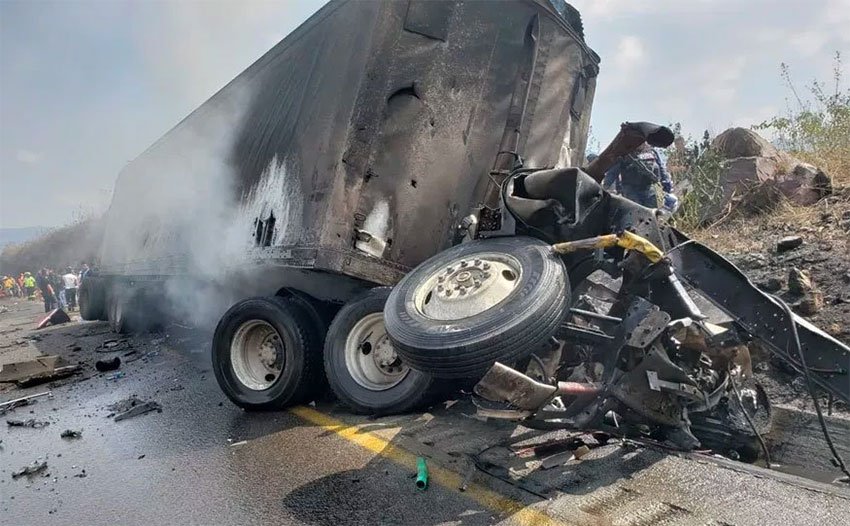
(358, 142)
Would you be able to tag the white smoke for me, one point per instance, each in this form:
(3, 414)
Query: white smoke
(178, 210)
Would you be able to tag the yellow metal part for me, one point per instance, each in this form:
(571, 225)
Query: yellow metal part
(626, 240)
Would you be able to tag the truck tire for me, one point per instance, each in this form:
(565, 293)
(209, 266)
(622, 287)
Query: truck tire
(477, 303)
(363, 369)
(266, 354)
(117, 316)
(90, 298)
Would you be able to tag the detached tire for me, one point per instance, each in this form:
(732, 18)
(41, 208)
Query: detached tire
(363, 369)
(91, 299)
(266, 354)
(476, 303)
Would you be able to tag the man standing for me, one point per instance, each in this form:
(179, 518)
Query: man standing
(635, 176)
(84, 271)
(69, 279)
(29, 285)
(43, 281)
(58, 288)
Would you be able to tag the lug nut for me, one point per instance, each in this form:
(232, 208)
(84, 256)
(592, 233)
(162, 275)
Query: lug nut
(477, 262)
(440, 288)
(486, 275)
(441, 279)
(462, 292)
(449, 270)
(486, 266)
(448, 292)
(477, 283)
(463, 264)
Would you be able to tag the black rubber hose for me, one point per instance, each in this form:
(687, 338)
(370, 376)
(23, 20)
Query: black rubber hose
(811, 388)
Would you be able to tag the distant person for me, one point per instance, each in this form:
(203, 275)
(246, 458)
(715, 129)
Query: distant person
(29, 285)
(42, 280)
(17, 289)
(71, 282)
(8, 286)
(634, 176)
(84, 271)
(58, 285)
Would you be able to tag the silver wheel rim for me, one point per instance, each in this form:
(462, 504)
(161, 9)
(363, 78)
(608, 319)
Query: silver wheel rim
(467, 286)
(370, 357)
(257, 355)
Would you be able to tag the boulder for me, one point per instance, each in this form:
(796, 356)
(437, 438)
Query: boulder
(747, 171)
(805, 185)
(741, 142)
(756, 176)
(748, 185)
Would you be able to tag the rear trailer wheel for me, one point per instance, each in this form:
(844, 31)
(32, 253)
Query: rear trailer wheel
(90, 299)
(361, 364)
(116, 312)
(266, 354)
(127, 311)
(476, 303)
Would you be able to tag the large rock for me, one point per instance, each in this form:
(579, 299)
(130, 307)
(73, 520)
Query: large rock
(756, 176)
(747, 185)
(741, 142)
(805, 185)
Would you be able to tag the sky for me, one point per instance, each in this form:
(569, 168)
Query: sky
(86, 86)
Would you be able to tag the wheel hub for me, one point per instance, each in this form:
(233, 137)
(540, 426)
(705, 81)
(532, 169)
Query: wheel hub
(467, 287)
(257, 355)
(370, 357)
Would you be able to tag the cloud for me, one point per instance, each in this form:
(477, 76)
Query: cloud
(718, 80)
(192, 50)
(629, 56)
(630, 52)
(28, 157)
(808, 43)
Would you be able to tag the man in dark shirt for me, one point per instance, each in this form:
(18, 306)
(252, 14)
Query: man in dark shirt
(635, 175)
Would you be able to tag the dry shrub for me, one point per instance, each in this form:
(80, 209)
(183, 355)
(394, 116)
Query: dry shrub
(816, 127)
(59, 248)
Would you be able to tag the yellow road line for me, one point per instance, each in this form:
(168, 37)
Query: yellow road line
(519, 512)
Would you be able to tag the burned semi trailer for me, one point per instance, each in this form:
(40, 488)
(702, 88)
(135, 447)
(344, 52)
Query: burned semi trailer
(343, 157)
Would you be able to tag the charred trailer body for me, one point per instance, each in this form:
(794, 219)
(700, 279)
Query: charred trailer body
(345, 156)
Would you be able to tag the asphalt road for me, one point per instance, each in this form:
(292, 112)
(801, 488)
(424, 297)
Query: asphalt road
(201, 460)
